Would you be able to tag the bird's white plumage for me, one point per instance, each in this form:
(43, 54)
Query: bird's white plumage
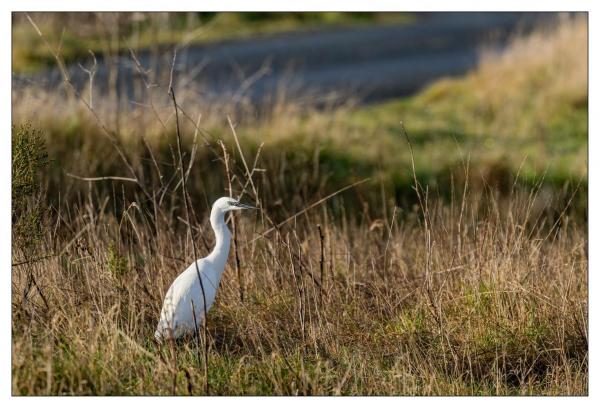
(176, 317)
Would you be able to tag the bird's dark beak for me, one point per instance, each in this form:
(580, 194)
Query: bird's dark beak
(244, 206)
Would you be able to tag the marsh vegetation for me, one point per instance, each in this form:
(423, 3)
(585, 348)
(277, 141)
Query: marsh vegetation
(454, 265)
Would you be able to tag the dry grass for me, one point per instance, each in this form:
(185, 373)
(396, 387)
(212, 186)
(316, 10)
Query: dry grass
(528, 101)
(540, 74)
(485, 300)
(481, 289)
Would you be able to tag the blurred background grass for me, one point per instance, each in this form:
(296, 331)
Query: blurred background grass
(521, 114)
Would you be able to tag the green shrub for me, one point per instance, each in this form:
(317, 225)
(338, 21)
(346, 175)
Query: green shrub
(117, 264)
(29, 158)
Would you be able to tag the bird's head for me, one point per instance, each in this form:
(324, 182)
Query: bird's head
(225, 204)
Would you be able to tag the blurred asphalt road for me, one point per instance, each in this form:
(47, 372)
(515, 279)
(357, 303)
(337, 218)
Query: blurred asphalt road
(373, 63)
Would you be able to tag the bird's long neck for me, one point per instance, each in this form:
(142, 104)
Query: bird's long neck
(222, 238)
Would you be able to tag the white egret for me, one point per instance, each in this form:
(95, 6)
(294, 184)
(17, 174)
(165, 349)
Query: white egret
(176, 317)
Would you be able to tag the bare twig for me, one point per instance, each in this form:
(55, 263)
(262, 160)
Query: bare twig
(197, 335)
(187, 211)
(193, 154)
(91, 73)
(422, 201)
(67, 80)
(387, 244)
(233, 223)
(172, 69)
(30, 261)
(248, 174)
(249, 81)
(31, 279)
(313, 205)
(102, 178)
(321, 261)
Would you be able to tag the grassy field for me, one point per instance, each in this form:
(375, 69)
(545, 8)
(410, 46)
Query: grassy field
(472, 283)
(492, 302)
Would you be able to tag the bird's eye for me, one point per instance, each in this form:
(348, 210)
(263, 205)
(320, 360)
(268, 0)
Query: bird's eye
(234, 203)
